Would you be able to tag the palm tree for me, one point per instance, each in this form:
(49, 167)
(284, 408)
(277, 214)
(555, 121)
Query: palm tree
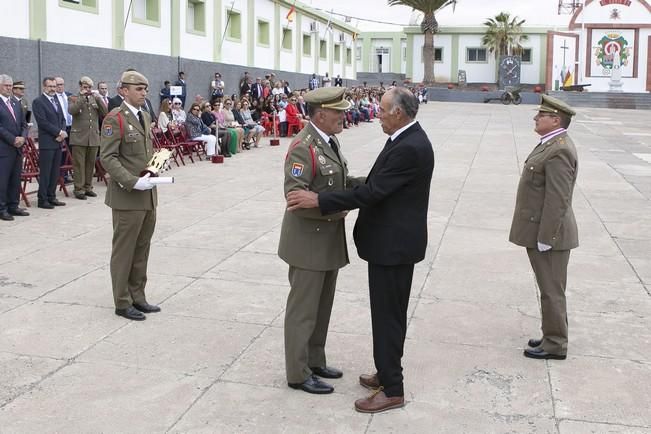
(428, 26)
(504, 35)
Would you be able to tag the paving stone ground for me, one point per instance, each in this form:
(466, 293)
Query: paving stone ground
(212, 361)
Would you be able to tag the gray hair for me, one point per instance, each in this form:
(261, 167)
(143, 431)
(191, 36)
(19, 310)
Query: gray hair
(406, 100)
(6, 79)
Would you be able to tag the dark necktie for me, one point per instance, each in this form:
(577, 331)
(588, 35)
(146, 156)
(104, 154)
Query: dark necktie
(142, 120)
(388, 142)
(334, 147)
(55, 103)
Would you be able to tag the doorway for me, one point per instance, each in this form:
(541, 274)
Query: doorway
(382, 59)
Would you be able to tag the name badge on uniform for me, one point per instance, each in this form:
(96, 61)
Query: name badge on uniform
(297, 169)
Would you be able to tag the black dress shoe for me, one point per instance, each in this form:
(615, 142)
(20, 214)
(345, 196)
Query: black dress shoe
(327, 372)
(4, 215)
(313, 385)
(146, 307)
(539, 353)
(130, 313)
(533, 343)
(80, 196)
(91, 194)
(19, 212)
(45, 205)
(57, 202)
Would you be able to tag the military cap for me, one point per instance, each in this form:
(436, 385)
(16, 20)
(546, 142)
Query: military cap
(549, 104)
(134, 77)
(86, 80)
(19, 84)
(327, 97)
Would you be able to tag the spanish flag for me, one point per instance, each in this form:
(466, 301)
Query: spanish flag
(569, 80)
(291, 14)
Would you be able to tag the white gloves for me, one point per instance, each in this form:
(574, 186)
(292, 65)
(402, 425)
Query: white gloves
(143, 183)
(543, 247)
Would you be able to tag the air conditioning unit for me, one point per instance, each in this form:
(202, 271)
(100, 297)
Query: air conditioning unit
(342, 37)
(314, 26)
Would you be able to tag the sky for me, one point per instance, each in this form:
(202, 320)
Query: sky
(467, 12)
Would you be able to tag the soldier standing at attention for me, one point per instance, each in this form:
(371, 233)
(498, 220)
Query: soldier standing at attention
(544, 223)
(86, 110)
(126, 149)
(313, 245)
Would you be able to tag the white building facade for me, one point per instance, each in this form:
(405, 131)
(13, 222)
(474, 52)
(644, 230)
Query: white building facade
(253, 33)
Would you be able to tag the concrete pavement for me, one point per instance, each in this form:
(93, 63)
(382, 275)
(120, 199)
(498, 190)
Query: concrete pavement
(213, 361)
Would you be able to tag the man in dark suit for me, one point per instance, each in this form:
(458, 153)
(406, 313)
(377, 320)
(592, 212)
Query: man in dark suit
(302, 108)
(116, 101)
(12, 129)
(338, 81)
(51, 133)
(390, 234)
(149, 108)
(256, 89)
(181, 82)
(544, 223)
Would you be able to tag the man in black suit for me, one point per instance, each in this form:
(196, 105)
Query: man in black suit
(51, 133)
(256, 89)
(12, 128)
(390, 234)
(339, 81)
(116, 101)
(181, 82)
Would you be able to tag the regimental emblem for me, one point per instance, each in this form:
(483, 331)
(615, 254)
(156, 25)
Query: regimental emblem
(297, 169)
(612, 51)
(322, 159)
(108, 130)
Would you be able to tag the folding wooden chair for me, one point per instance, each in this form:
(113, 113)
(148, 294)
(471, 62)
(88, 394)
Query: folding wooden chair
(160, 141)
(66, 167)
(185, 148)
(30, 169)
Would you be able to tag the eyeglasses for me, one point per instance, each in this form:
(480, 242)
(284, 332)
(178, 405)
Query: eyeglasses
(177, 103)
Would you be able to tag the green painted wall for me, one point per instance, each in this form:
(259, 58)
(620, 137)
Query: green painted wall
(37, 21)
(218, 30)
(454, 64)
(175, 29)
(409, 70)
(249, 47)
(118, 25)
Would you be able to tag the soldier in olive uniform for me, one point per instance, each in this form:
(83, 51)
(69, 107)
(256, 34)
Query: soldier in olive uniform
(313, 245)
(126, 149)
(19, 96)
(544, 223)
(86, 110)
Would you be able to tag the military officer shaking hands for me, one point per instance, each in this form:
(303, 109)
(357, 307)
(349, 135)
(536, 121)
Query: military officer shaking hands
(313, 245)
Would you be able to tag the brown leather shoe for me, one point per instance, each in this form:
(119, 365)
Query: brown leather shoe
(370, 381)
(378, 402)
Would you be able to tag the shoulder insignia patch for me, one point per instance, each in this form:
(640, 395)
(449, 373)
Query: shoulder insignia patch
(297, 169)
(108, 130)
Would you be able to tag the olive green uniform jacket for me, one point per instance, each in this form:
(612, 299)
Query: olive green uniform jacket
(543, 209)
(85, 120)
(309, 240)
(125, 151)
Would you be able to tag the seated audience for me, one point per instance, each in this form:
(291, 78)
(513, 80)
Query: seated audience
(197, 130)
